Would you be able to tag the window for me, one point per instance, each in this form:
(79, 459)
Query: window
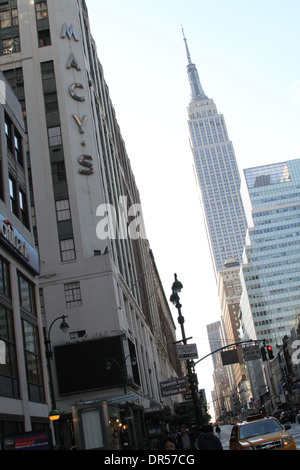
(44, 38)
(51, 103)
(4, 279)
(63, 210)
(11, 45)
(33, 362)
(58, 172)
(42, 23)
(73, 294)
(8, 133)
(9, 385)
(5, 19)
(23, 208)
(9, 29)
(67, 250)
(9, 18)
(26, 293)
(41, 10)
(47, 69)
(13, 196)
(18, 148)
(54, 135)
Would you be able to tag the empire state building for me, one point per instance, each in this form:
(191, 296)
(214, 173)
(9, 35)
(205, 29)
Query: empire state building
(217, 174)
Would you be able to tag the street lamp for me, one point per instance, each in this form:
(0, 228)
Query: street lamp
(54, 414)
(122, 367)
(175, 299)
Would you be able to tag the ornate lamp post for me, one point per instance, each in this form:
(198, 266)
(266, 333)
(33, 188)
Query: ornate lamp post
(176, 288)
(54, 414)
(122, 367)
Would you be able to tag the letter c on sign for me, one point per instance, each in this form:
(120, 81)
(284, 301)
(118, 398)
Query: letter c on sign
(73, 92)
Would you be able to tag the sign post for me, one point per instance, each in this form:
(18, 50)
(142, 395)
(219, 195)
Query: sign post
(187, 351)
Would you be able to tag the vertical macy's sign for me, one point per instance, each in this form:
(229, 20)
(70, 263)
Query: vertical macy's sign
(85, 161)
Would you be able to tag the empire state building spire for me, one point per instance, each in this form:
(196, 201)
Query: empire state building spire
(197, 92)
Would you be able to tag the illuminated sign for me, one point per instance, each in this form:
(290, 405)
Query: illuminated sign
(39, 440)
(18, 245)
(84, 160)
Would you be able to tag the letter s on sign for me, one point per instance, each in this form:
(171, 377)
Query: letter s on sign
(86, 161)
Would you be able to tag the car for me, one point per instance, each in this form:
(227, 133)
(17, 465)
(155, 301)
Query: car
(276, 413)
(287, 416)
(261, 433)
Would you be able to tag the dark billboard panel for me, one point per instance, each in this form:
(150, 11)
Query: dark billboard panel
(82, 366)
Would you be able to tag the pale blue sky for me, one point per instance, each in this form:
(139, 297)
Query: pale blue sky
(247, 55)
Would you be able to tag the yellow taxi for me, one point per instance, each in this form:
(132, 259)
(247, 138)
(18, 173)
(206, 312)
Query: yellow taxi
(260, 433)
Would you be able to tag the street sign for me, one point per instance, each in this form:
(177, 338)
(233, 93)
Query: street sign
(173, 386)
(251, 353)
(187, 351)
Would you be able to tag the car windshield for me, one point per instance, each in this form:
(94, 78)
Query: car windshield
(259, 427)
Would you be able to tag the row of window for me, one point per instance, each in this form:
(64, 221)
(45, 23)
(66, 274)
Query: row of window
(9, 27)
(17, 194)
(59, 177)
(9, 367)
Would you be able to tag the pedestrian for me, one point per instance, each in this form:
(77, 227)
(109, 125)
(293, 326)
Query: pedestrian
(207, 440)
(170, 444)
(218, 431)
(185, 439)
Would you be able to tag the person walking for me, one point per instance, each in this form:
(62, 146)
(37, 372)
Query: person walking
(207, 439)
(185, 439)
(218, 431)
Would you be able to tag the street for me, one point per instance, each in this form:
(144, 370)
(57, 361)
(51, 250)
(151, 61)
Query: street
(226, 431)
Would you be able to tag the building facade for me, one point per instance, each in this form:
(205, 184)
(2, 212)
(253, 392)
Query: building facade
(230, 291)
(217, 175)
(222, 394)
(270, 269)
(95, 261)
(271, 263)
(23, 381)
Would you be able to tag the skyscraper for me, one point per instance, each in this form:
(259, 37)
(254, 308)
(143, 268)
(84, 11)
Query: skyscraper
(217, 175)
(271, 265)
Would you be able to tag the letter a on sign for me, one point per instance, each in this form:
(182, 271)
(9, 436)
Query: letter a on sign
(73, 63)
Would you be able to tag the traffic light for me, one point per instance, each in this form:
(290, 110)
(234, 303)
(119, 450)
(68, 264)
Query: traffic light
(270, 352)
(263, 353)
(193, 380)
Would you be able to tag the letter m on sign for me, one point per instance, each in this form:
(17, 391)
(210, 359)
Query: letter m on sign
(69, 32)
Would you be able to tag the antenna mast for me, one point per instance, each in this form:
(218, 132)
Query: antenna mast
(186, 47)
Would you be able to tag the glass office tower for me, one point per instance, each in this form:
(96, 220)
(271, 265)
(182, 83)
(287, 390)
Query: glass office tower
(270, 303)
(217, 175)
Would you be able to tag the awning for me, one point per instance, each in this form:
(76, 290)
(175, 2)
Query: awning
(125, 397)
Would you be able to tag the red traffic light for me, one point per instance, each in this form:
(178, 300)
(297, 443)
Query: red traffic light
(270, 352)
